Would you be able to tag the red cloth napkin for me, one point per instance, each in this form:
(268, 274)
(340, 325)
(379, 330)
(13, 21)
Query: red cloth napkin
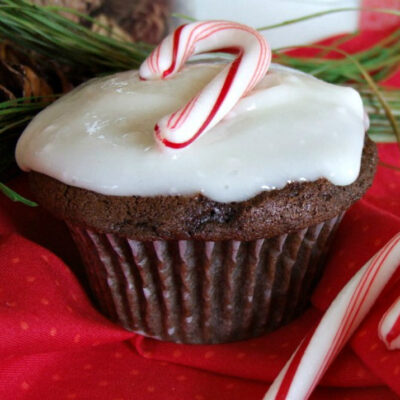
(55, 345)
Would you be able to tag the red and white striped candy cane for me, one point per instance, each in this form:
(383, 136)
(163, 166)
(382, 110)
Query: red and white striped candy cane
(208, 107)
(303, 371)
(389, 327)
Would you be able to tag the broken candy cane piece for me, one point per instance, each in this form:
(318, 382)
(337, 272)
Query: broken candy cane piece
(389, 327)
(219, 96)
(306, 367)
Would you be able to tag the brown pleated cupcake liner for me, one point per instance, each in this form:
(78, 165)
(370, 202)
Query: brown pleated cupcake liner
(191, 291)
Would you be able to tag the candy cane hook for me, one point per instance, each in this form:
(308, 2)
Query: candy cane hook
(303, 371)
(208, 107)
(389, 327)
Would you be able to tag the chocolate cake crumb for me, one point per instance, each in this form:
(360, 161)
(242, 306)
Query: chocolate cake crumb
(268, 214)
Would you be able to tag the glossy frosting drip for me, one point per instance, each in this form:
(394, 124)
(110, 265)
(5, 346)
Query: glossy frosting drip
(291, 127)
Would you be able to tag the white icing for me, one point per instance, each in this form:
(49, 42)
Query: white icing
(291, 127)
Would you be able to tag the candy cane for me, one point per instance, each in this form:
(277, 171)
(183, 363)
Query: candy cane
(317, 351)
(211, 104)
(389, 327)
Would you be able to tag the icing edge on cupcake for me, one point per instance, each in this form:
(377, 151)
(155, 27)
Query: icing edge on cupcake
(290, 127)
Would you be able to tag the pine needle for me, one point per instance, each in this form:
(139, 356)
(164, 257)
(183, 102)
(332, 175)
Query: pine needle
(49, 33)
(379, 61)
(327, 12)
(46, 30)
(367, 78)
(14, 196)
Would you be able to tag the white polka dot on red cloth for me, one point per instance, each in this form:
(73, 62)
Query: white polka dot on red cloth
(328, 290)
(383, 359)
(373, 347)
(24, 325)
(176, 354)
(134, 372)
(360, 373)
(351, 264)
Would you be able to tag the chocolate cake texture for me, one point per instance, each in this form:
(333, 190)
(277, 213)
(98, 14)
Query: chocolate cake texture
(193, 270)
(270, 213)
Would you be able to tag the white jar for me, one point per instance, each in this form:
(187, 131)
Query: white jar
(257, 13)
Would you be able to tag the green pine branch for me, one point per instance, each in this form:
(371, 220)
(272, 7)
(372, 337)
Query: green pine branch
(46, 30)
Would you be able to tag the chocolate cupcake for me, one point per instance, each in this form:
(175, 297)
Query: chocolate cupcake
(222, 240)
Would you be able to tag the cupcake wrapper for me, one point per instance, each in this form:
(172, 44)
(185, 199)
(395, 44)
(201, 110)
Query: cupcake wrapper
(193, 291)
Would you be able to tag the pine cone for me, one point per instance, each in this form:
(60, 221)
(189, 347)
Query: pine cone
(82, 6)
(148, 21)
(134, 20)
(24, 74)
(112, 28)
(143, 20)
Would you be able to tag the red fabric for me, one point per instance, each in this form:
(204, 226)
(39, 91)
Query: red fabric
(378, 21)
(55, 345)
